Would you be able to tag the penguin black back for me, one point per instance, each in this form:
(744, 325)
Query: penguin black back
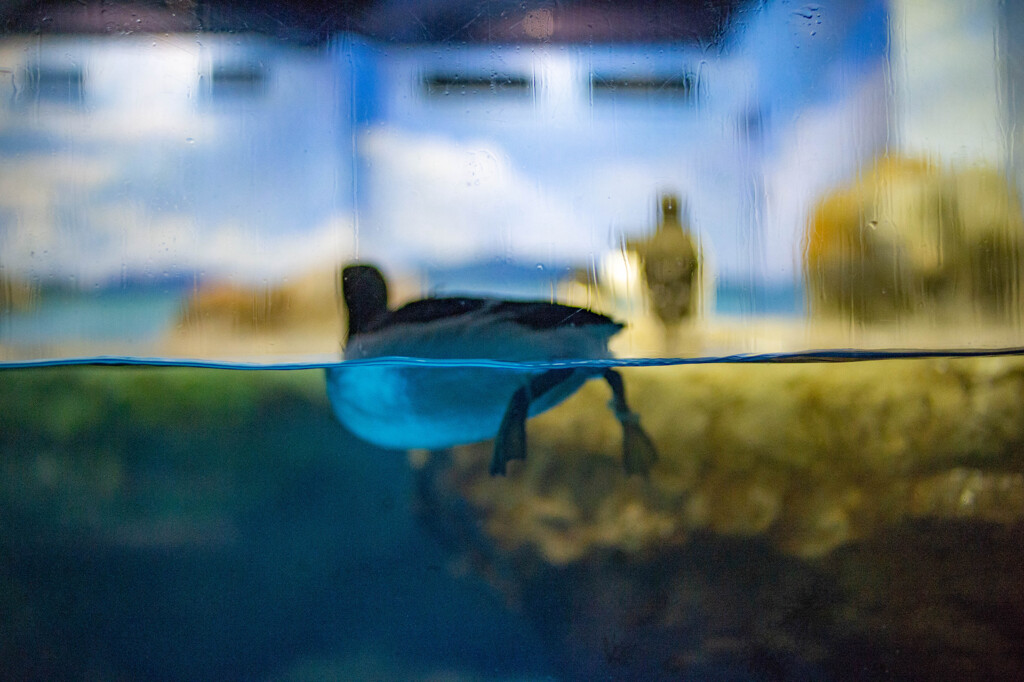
(366, 296)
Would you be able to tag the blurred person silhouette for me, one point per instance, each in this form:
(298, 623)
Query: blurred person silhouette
(670, 264)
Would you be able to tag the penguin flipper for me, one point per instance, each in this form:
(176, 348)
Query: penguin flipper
(510, 443)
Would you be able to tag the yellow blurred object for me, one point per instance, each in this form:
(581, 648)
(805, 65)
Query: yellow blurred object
(16, 294)
(239, 306)
(307, 300)
(910, 238)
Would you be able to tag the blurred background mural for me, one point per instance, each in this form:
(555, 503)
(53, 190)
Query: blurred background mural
(176, 175)
(182, 179)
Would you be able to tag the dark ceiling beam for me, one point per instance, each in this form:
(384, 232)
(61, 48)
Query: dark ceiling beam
(406, 21)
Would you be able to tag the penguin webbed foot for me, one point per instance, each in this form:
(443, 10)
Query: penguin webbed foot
(638, 451)
(510, 443)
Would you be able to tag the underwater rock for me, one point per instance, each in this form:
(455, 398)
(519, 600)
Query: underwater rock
(970, 494)
(125, 459)
(765, 533)
(811, 456)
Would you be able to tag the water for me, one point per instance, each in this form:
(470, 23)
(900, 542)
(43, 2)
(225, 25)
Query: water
(839, 488)
(198, 524)
(824, 355)
(171, 519)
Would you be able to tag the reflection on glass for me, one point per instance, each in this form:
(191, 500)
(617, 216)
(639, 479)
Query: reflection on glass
(158, 169)
(696, 204)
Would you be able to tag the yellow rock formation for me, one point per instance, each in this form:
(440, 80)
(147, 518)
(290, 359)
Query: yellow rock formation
(911, 238)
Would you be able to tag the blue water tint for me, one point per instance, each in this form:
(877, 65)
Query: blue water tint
(825, 355)
(331, 564)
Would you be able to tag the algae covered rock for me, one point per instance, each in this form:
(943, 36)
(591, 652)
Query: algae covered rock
(811, 456)
(781, 528)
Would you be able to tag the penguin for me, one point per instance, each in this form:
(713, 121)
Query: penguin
(402, 405)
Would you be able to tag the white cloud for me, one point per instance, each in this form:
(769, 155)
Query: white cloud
(437, 200)
(135, 89)
(946, 79)
(825, 148)
(235, 251)
(114, 192)
(433, 199)
(107, 240)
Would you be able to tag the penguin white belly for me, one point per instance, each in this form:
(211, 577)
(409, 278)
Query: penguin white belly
(403, 406)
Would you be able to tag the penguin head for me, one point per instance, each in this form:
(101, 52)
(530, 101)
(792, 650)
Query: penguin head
(366, 296)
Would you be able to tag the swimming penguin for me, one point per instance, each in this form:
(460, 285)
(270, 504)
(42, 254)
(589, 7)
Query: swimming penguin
(402, 406)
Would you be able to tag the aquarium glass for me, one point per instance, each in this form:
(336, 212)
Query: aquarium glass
(596, 426)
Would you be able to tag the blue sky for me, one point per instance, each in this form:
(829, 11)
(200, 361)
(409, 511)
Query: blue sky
(794, 101)
(335, 153)
(143, 168)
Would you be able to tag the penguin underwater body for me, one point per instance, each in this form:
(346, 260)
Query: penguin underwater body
(402, 406)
